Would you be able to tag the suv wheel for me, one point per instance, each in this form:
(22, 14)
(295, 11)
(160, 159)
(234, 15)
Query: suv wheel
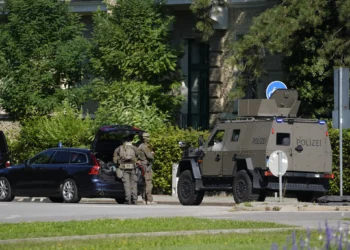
(5, 190)
(186, 190)
(69, 192)
(242, 188)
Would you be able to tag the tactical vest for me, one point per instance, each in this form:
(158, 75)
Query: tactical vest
(127, 157)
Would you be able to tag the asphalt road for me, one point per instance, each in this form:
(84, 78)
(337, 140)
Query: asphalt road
(31, 211)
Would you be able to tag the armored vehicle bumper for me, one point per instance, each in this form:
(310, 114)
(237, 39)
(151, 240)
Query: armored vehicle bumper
(297, 181)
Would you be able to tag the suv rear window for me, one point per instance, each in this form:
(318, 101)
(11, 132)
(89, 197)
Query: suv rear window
(283, 139)
(60, 157)
(77, 158)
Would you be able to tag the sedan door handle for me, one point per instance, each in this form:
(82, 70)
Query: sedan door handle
(217, 158)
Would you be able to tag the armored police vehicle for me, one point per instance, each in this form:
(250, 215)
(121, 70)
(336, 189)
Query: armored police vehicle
(236, 155)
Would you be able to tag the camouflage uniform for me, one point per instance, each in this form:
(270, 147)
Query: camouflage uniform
(146, 159)
(129, 177)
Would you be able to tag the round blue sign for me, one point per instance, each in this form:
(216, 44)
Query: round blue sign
(273, 86)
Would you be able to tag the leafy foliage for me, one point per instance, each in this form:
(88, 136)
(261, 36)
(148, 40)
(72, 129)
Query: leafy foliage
(39, 55)
(202, 9)
(38, 133)
(165, 143)
(132, 44)
(128, 103)
(335, 183)
(312, 35)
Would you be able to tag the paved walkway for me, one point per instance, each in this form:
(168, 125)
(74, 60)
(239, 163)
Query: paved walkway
(270, 204)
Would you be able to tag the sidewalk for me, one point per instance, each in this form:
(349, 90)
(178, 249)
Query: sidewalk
(270, 204)
(160, 199)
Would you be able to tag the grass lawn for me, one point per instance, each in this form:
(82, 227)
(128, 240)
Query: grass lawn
(236, 241)
(115, 226)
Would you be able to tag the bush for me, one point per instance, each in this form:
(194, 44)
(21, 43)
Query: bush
(334, 184)
(127, 103)
(165, 143)
(39, 133)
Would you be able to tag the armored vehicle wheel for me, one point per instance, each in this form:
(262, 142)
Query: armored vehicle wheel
(242, 188)
(186, 190)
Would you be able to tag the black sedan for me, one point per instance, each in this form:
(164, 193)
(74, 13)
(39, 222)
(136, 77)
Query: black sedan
(63, 175)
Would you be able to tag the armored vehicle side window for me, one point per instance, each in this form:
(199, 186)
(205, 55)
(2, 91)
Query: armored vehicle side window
(235, 134)
(217, 142)
(283, 139)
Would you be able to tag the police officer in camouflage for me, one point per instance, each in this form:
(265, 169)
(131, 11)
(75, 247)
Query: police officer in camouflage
(146, 160)
(126, 156)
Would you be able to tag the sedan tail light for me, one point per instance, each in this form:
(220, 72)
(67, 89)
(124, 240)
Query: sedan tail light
(95, 170)
(8, 164)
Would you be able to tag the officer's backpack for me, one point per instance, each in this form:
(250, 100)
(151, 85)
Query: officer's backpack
(127, 154)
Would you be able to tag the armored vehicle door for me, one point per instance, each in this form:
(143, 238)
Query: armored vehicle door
(212, 161)
(232, 146)
(311, 148)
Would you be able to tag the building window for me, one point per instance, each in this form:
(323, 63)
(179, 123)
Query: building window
(198, 85)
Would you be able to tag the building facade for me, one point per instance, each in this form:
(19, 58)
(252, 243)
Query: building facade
(206, 79)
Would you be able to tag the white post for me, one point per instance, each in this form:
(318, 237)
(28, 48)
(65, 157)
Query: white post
(341, 130)
(174, 179)
(280, 174)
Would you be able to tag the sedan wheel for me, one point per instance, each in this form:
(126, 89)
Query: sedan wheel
(5, 190)
(70, 192)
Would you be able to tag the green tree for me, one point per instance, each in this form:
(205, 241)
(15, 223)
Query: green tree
(202, 10)
(128, 103)
(41, 49)
(313, 37)
(132, 43)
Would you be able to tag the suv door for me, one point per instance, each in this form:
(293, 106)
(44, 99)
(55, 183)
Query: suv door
(30, 178)
(4, 154)
(213, 159)
(53, 174)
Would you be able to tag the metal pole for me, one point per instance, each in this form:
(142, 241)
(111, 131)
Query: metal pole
(280, 174)
(341, 130)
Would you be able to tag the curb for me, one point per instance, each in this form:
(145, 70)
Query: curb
(112, 201)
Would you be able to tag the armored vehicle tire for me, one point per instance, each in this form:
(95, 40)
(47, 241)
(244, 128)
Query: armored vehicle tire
(243, 188)
(69, 192)
(186, 190)
(5, 190)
